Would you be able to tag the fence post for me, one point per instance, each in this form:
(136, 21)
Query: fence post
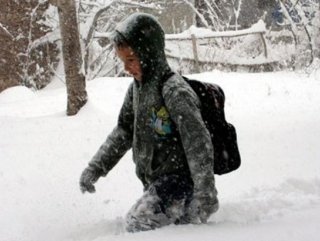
(195, 53)
(264, 45)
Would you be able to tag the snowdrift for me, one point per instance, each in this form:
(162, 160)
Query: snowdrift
(275, 195)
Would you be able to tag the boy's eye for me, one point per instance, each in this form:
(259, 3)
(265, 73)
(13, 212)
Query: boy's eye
(131, 60)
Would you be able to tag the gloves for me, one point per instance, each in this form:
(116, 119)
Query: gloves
(88, 177)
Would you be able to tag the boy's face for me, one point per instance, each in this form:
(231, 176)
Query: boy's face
(131, 62)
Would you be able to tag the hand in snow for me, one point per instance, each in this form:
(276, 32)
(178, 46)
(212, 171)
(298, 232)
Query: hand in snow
(88, 177)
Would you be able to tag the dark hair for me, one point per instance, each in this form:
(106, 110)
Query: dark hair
(119, 40)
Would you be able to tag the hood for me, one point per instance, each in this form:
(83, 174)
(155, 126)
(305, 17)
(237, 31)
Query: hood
(146, 37)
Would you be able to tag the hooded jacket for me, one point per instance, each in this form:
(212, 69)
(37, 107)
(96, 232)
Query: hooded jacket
(160, 118)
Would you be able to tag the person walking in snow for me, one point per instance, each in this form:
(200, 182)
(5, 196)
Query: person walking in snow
(161, 121)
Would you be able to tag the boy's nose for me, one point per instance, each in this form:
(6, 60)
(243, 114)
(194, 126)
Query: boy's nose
(128, 69)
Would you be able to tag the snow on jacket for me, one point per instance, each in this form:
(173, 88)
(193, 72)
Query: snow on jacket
(160, 119)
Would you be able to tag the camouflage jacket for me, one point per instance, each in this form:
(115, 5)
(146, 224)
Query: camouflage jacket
(160, 119)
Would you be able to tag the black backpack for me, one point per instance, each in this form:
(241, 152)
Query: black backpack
(223, 134)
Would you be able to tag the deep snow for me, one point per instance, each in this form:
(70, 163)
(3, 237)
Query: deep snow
(275, 195)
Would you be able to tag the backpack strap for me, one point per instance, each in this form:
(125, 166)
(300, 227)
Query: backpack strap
(167, 76)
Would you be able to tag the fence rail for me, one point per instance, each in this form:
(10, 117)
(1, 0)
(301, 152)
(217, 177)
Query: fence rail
(199, 36)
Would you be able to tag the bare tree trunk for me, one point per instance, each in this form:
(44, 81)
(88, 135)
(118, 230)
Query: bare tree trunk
(72, 58)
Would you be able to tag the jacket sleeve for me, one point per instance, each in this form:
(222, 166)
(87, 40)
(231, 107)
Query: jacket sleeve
(184, 107)
(119, 140)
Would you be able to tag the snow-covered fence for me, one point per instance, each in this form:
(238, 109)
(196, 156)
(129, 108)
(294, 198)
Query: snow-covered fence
(198, 47)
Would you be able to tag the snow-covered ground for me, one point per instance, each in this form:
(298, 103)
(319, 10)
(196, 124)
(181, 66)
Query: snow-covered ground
(275, 195)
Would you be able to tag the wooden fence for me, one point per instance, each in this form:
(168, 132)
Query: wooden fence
(197, 37)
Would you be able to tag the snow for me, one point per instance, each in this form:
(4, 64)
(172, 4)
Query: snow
(4, 29)
(275, 195)
(201, 33)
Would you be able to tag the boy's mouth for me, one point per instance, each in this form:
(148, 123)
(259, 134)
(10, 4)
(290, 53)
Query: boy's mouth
(136, 76)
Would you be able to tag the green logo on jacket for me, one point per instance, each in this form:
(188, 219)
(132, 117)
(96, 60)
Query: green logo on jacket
(161, 122)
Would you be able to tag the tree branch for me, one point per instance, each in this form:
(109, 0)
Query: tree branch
(6, 31)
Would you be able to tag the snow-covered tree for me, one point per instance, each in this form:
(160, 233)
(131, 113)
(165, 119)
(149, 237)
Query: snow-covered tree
(210, 13)
(302, 16)
(24, 58)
